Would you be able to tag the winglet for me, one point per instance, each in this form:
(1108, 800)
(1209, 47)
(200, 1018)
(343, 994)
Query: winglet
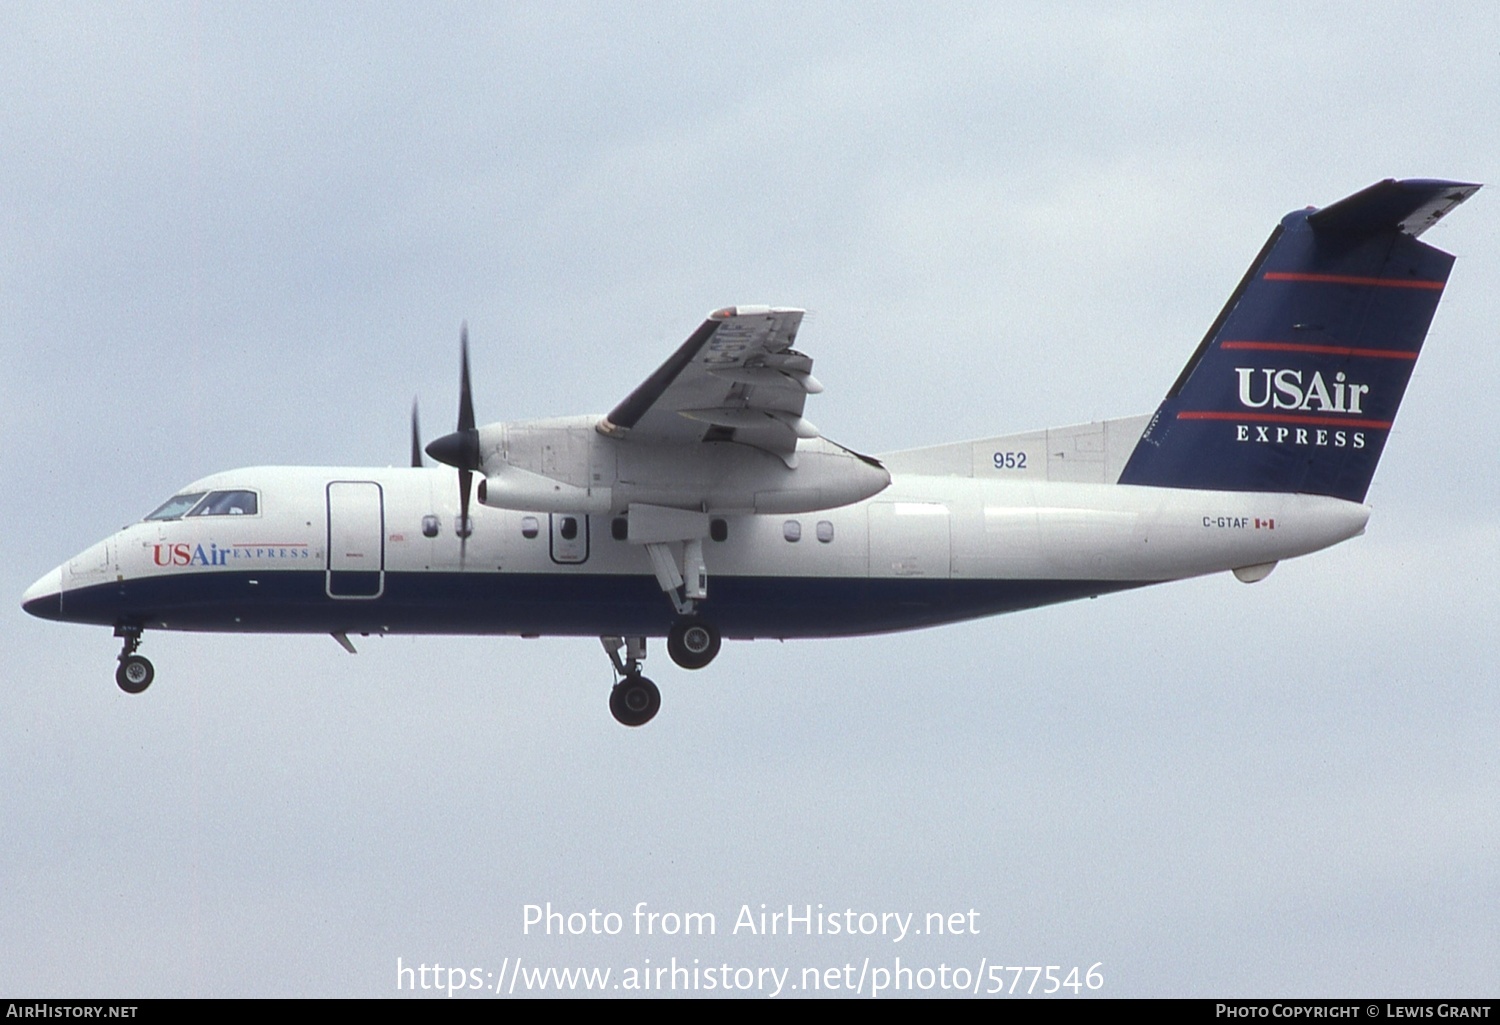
(1410, 207)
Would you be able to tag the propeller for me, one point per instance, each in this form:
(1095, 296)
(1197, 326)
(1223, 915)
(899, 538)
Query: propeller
(461, 448)
(416, 438)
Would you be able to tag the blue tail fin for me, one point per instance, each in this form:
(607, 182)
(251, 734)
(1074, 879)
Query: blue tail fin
(1296, 384)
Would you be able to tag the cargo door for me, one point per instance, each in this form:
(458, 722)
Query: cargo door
(910, 539)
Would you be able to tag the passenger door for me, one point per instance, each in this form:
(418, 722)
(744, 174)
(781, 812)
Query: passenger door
(356, 539)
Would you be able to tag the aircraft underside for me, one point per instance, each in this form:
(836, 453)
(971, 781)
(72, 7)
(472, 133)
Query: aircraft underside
(621, 610)
(579, 604)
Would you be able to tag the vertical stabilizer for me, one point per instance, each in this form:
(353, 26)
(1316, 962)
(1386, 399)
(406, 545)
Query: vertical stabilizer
(1296, 384)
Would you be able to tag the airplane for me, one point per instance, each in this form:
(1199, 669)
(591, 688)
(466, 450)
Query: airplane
(705, 506)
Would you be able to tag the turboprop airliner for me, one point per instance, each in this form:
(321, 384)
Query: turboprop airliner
(705, 506)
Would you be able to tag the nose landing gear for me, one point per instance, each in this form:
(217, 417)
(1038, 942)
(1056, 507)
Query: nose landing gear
(135, 672)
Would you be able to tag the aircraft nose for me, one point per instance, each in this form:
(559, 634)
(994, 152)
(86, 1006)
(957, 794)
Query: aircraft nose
(44, 598)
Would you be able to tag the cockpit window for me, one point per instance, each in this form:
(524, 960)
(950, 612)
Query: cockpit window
(176, 506)
(227, 503)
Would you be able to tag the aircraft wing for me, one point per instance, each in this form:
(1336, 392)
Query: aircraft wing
(737, 378)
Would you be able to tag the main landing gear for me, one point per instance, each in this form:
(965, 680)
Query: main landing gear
(135, 672)
(692, 643)
(634, 701)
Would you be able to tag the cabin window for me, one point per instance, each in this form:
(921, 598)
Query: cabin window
(619, 528)
(227, 503)
(429, 526)
(718, 529)
(568, 528)
(176, 506)
(530, 527)
(825, 531)
(792, 530)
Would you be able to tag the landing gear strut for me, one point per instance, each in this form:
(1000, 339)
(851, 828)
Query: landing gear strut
(135, 672)
(692, 643)
(634, 701)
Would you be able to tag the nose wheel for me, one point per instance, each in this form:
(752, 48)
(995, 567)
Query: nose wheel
(135, 672)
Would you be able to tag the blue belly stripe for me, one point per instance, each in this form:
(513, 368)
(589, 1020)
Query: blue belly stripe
(573, 604)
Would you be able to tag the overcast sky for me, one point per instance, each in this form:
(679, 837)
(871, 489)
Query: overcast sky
(246, 234)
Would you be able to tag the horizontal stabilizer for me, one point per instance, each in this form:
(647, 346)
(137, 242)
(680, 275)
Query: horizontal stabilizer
(1410, 207)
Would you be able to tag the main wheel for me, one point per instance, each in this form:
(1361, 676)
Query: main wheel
(692, 643)
(135, 674)
(634, 701)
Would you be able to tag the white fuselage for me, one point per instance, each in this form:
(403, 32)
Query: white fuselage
(340, 549)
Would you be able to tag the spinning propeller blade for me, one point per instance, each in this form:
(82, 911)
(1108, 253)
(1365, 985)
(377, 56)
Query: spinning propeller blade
(461, 448)
(416, 438)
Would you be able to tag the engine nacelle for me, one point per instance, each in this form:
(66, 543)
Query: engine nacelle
(565, 465)
(510, 487)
